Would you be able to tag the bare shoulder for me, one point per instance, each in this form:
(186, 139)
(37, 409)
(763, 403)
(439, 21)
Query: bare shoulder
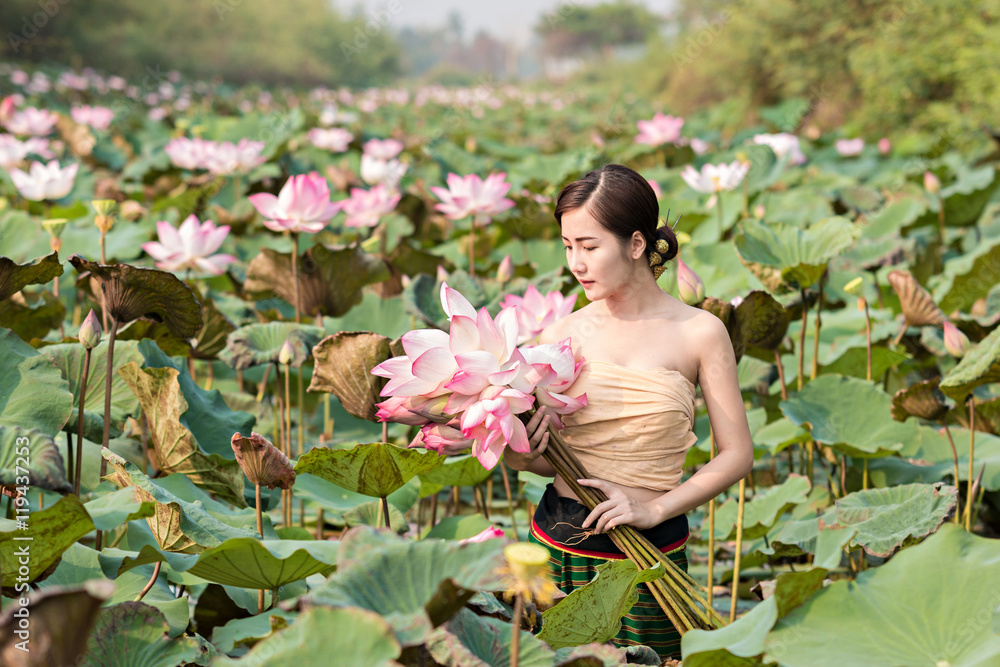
(570, 326)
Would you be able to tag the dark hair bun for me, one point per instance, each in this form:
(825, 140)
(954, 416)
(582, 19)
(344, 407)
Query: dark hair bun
(666, 234)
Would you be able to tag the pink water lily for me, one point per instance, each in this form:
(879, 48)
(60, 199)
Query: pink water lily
(192, 246)
(366, 208)
(376, 171)
(32, 121)
(302, 205)
(228, 158)
(716, 177)
(783, 144)
(334, 139)
(491, 533)
(662, 129)
(96, 117)
(382, 149)
(44, 181)
(474, 196)
(13, 151)
(849, 147)
(535, 312)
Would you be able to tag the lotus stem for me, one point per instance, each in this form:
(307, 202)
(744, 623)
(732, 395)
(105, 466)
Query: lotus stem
(781, 375)
(263, 384)
(70, 467)
(104, 301)
(287, 519)
(970, 499)
(152, 580)
(472, 248)
(327, 421)
(434, 511)
(941, 247)
(295, 275)
(107, 411)
(515, 635)
(868, 339)
(864, 474)
(739, 550)
(718, 203)
(954, 460)
(283, 437)
(260, 601)
(84, 377)
(384, 502)
(802, 335)
(510, 500)
(710, 579)
(260, 531)
(385, 431)
(819, 309)
(302, 413)
(319, 524)
(211, 376)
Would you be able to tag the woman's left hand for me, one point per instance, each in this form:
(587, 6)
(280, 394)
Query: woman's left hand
(619, 509)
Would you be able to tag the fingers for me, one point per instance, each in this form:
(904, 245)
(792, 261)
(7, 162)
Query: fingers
(610, 519)
(532, 424)
(542, 430)
(597, 511)
(543, 444)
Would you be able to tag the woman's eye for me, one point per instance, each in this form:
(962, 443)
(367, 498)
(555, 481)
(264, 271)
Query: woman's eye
(589, 249)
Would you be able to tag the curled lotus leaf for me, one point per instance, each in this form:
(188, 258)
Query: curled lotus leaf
(135, 633)
(923, 399)
(32, 315)
(917, 303)
(343, 368)
(979, 366)
(330, 279)
(45, 470)
(260, 344)
(14, 276)
(372, 469)
(33, 393)
(262, 462)
(132, 292)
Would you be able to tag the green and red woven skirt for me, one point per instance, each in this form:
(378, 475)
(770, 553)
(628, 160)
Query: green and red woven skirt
(575, 555)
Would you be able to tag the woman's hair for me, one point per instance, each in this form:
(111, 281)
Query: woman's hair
(623, 202)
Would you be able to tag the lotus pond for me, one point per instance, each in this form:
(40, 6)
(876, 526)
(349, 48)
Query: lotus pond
(196, 283)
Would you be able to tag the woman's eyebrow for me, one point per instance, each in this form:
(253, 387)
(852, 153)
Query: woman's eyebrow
(583, 238)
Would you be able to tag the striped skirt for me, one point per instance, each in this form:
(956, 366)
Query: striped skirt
(574, 557)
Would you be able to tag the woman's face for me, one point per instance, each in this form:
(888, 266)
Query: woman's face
(596, 257)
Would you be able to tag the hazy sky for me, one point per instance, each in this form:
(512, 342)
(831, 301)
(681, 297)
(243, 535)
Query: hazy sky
(505, 19)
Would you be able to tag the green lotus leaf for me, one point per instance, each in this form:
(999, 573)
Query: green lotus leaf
(33, 394)
(734, 644)
(453, 471)
(370, 513)
(375, 469)
(851, 414)
(869, 254)
(386, 316)
(861, 198)
(45, 469)
(259, 344)
(979, 366)
(49, 531)
(965, 199)
(468, 639)
(959, 571)
(787, 258)
(113, 509)
(360, 638)
(459, 527)
(967, 278)
(932, 446)
(132, 292)
(593, 613)
(134, 634)
(893, 217)
(779, 434)
(343, 368)
(415, 586)
(61, 619)
(760, 322)
(211, 339)
(32, 315)
(250, 630)
(174, 448)
(157, 333)
(759, 512)
(177, 525)
(14, 276)
(330, 279)
(922, 399)
(209, 418)
(69, 359)
(887, 519)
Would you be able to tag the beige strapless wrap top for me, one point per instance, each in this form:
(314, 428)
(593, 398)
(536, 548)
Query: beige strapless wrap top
(636, 427)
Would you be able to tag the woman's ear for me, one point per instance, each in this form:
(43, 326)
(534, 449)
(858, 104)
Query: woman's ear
(638, 245)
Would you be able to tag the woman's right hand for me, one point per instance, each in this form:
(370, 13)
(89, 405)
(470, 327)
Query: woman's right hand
(538, 437)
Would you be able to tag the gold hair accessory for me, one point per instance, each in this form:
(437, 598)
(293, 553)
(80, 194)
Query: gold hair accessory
(658, 271)
(662, 246)
(655, 258)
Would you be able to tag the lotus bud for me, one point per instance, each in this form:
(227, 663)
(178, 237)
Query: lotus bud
(854, 286)
(689, 285)
(884, 146)
(506, 270)
(956, 342)
(55, 229)
(442, 274)
(758, 211)
(286, 354)
(105, 217)
(262, 462)
(90, 331)
(931, 183)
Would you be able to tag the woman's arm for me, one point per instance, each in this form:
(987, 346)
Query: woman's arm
(728, 417)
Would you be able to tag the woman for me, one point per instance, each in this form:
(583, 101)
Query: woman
(645, 353)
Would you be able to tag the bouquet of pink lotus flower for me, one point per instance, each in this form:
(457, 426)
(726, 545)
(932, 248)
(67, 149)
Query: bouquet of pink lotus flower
(466, 387)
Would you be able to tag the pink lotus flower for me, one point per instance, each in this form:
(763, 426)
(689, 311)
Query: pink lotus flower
(365, 208)
(188, 153)
(490, 533)
(335, 139)
(445, 439)
(783, 144)
(955, 341)
(492, 422)
(229, 158)
(32, 121)
(506, 269)
(716, 177)
(47, 181)
(884, 146)
(412, 410)
(657, 190)
(13, 151)
(303, 205)
(376, 171)
(190, 247)
(660, 130)
(931, 183)
(382, 149)
(536, 312)
(424, 370)
(98, 118)
(689, 285)
(473, 196)
(849, 147)
(551, 369)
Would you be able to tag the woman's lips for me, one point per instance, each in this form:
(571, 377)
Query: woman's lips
(586, 283)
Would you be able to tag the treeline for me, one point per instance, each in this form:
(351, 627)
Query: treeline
(242, 41)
